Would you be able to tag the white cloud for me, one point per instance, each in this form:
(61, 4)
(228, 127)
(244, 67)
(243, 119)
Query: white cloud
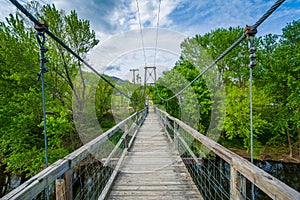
(109, 17)
(116, 24)
(6, 8)
(209, 15)
(125, 50)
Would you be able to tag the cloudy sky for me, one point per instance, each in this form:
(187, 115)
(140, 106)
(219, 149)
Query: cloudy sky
(116, 23)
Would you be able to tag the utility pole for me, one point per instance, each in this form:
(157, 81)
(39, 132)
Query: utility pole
(133, 74)
(138, 79)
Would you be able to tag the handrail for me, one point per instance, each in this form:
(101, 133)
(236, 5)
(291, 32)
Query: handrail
(124, 138)
(39, 182)
(273, 187)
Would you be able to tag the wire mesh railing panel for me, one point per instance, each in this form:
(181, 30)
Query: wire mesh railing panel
(244, 188)
(85, 173)
(210, 173)
(89, 178)
(219, 173)
(170, 128)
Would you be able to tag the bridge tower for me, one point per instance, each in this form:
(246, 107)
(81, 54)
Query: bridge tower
(150, 75)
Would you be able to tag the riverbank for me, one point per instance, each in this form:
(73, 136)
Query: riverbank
(279, 153)
(276, 154)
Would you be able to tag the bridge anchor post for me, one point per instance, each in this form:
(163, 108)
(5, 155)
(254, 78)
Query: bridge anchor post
(237, 185)
(60, 187)
(63, 186)
(68, 177)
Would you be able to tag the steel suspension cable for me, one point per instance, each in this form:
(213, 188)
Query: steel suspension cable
(141, 30)
(156, 41)
(143, 45)
(59, 41)
(156, 36)
(210, 66)
(251, 129)
(256, 25)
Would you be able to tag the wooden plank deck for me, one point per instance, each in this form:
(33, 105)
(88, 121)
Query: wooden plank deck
(152, 169)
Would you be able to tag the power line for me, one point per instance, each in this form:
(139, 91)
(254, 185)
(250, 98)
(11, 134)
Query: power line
(156, 41)
(35, 21)
(156, 36)
(141, 31)
(257, 24)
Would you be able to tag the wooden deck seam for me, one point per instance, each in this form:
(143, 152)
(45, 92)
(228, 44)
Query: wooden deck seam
(152, 168)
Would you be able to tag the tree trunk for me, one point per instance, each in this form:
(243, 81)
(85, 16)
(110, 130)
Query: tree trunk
(289, 141)
(82, 100)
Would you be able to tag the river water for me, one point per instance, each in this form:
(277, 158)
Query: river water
(286, 172)
(212, 177)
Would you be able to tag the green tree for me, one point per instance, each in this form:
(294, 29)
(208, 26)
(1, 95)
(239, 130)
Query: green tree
(202, 50)
(193, 106)
(22, 145)
(280, 68)
(20, 97)
(237, 122)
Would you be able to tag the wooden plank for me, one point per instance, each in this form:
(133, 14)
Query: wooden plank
(112, 177)
(191, 197)
(234, 186)
(60, 188)
(154, 187)
(132, 139)
(152, 168)
(153, 182)
(152, 193)
(154, 175)
(68, 177)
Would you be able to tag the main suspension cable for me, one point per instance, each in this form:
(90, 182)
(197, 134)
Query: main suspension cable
(36, 22)
(156, 35)
(155, 49)
(141, 31)
(236, 43)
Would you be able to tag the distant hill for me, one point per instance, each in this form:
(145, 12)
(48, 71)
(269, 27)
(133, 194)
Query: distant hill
(116, 79)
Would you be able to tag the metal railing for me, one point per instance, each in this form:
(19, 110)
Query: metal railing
(217, 172)
(86, 173)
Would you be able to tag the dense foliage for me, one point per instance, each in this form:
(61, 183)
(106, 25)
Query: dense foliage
(70, 90)
(275, 91)
(79, 104)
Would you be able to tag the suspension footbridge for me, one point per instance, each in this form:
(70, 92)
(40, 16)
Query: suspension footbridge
(152, 155)
(152, 168)
(151, 160)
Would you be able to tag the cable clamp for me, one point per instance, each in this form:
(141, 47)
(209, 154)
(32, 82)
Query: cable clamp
(249, 31)
(42, 70)
(42, 27)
